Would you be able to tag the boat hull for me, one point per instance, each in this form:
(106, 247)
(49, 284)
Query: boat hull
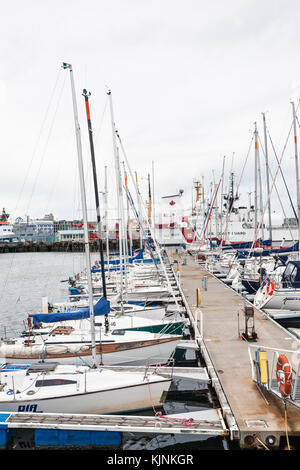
(120, 400)
(281, 299)
(147, 352)
(173, 328)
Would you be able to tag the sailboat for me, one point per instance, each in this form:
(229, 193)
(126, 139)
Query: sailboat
(280, 289)
(55, 388)
(117, 321)
(66, 338)
(46, 387)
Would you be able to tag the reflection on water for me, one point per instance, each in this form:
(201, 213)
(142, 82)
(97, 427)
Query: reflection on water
(172, 442)
(185, 396)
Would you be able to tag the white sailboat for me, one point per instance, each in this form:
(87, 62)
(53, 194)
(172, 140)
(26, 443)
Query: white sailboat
(155, 313)
(280, 289)
(75, 347)
(54, 388)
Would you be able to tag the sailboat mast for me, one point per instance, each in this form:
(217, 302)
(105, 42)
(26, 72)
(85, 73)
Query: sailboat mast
(149, 200)
(221, 200)
(139, 206)
(119, 191)
(297, 174)
(88, 115)
(255, 175)
(260, 193)
(157, 249)
(268, 176)
(153, 201)
(216, 233)
(84, 211)
(128, 231)
(106, 216)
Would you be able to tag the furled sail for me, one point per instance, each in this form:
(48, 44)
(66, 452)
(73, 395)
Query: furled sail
(102, 307)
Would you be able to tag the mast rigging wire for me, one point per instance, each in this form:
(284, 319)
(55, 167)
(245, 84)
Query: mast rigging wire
(28, 170)
(273, 183)
(295, 214)
(275, 186)
(223, 238)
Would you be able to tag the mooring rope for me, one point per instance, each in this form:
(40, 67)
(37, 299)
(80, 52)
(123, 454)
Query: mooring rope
(286, 426)
(158, 414)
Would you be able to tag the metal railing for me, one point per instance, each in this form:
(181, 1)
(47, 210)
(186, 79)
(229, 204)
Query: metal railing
(272, 355)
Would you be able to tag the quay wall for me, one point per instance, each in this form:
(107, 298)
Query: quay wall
(66, 246)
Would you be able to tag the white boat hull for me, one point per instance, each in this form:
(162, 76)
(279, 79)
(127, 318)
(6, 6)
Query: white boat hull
(149, 355)
(132, 398)
(70, 389)
(284, 299)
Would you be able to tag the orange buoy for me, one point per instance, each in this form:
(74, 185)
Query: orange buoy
(270, 288)
(284, 376)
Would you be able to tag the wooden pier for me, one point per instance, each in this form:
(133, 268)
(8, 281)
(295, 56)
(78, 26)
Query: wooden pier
(254, 415)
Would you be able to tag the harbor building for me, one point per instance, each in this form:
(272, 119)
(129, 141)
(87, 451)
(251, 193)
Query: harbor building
(70, 235)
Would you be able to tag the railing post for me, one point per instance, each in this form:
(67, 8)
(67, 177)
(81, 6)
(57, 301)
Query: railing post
(296, 382)
(272, 370)
(201, 324)
(196, 322)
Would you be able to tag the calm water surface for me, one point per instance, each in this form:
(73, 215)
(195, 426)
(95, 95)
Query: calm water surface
(26, 277)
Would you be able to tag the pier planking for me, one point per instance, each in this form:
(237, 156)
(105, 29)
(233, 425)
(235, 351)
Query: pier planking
(257, 412)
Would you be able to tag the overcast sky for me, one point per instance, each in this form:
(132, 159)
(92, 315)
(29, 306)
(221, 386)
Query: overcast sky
(188, 77)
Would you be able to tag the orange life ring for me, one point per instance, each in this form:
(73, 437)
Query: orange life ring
(284, 376)
(270, 288)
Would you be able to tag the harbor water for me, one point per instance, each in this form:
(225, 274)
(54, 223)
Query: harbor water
(26, 277)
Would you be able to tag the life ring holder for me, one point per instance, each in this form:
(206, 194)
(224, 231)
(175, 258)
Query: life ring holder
(284, 376)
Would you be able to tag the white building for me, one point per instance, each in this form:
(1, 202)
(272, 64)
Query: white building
(44, 227)
(70, 235)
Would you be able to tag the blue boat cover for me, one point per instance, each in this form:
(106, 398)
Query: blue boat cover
(282, 250)
(291, 275)
(102, 307)
(138, 256)
(244, 245)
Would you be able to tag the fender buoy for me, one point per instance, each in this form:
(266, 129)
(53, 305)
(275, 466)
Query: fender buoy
(270, 287)
(284, 376)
